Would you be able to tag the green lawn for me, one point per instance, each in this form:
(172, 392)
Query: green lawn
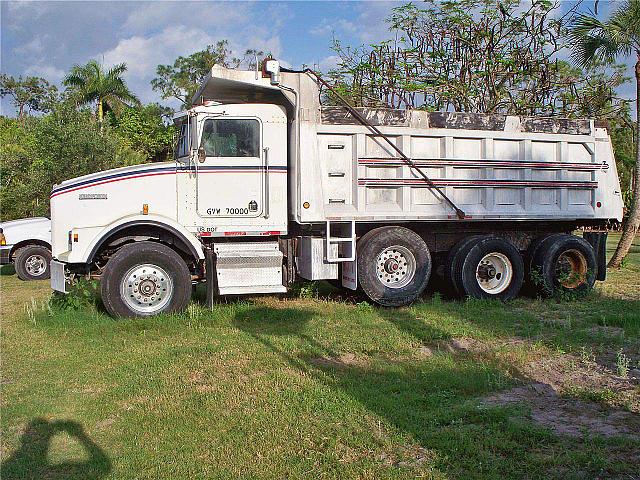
(325, 387)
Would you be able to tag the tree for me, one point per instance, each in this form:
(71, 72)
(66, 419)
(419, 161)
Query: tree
(469, 56)
(42, 151)
(181, 80)
(91, 83)
(144, 130)
(594, 41)
(30, 94)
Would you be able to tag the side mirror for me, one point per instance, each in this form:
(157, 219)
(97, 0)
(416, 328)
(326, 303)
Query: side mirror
(202, 155)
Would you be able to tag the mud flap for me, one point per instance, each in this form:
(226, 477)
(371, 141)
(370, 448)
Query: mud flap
(210, 275)
(598, 241)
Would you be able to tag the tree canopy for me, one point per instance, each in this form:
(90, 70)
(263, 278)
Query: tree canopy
(469, 56)
(595, 41)
(91, 83)
(181, 79)
(31, 94)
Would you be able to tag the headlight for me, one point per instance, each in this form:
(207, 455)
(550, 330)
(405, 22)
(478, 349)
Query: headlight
(3, 241)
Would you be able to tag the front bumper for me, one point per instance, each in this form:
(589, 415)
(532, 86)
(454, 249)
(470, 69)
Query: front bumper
(5, 254)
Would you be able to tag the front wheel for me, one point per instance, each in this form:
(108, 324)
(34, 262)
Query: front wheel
(394, 265)
(144, 279)
(32, 263)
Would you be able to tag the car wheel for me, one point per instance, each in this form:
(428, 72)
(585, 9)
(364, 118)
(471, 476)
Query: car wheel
(394, 265)
(32, 263)
(144, 279)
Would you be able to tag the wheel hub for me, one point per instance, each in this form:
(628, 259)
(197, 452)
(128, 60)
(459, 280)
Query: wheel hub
(395, 266)
(487, 272)
(146, 288)
(35, 265)
(391, 265)
(571, 269)
(494, 273)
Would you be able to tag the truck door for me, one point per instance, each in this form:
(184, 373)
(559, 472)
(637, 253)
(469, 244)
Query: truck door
(230, 168)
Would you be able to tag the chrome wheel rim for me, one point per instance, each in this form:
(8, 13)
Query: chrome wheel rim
(35, 265)
(396, 266)
(494, 273)
(146, 289)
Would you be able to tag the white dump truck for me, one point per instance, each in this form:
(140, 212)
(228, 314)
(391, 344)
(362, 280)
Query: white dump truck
(269, 186)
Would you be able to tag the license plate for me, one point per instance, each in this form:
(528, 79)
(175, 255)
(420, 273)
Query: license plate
(58, 280)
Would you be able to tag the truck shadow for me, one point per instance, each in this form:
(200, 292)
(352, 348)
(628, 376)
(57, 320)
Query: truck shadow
(30, 460)
(407, 394)
(434, 400)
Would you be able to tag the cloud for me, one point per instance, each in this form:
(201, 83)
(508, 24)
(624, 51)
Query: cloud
(328, 63)
(368, 26)
(49, 72)
(206, 15)
(143, 54)
(34, 47)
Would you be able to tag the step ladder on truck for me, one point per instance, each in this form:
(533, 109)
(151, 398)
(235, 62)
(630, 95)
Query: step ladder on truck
(269, 187)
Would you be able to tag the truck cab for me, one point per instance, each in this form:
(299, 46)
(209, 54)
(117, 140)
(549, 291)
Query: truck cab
(232, 170)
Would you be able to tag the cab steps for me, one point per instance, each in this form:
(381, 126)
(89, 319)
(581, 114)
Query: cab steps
(243, 268)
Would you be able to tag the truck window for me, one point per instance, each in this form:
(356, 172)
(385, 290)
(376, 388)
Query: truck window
(182, 147)
(231, 138)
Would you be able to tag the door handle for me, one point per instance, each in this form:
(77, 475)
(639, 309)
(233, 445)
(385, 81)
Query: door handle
(266, 181)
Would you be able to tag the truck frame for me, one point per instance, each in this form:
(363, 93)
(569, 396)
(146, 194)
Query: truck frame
(269, 186)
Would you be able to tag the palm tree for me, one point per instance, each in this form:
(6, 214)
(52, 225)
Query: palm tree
(91, 83)
(593, 41)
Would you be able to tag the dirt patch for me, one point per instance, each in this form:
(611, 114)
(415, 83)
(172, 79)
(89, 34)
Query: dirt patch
(568, 416)
(566, 373)
(595, 378)
(344, 360)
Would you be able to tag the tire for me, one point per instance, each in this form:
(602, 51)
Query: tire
(32, 263)
(529, 287)
(564, 264)
(488, 267)
(456, 255)
(394, 266)
(164, 281)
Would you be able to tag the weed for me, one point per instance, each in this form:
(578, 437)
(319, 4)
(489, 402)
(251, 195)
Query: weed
(364, 307)
(587, 355)
(194, 311)
(30, 310)
(306, 290)
(82, 294)
(603, 396)
(436, 298)
(622, 364)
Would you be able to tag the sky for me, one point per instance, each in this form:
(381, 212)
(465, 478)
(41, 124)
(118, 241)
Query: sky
(46, 38)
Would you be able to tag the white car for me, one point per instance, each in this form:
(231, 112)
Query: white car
(27, 243)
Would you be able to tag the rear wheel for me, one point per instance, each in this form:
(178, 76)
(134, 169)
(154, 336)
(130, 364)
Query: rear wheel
(394, 265)
(530, 280)
(564, 264)
(32, 263)
(488, 267)
(144, 279)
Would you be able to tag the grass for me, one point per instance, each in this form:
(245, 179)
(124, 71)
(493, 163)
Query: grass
(306, 387)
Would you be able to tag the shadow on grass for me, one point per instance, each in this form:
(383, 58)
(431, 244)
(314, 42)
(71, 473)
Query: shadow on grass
(434, 402)
(31, 461)
(6, 270)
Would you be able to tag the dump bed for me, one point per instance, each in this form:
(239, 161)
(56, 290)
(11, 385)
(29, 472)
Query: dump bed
(490, 166)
